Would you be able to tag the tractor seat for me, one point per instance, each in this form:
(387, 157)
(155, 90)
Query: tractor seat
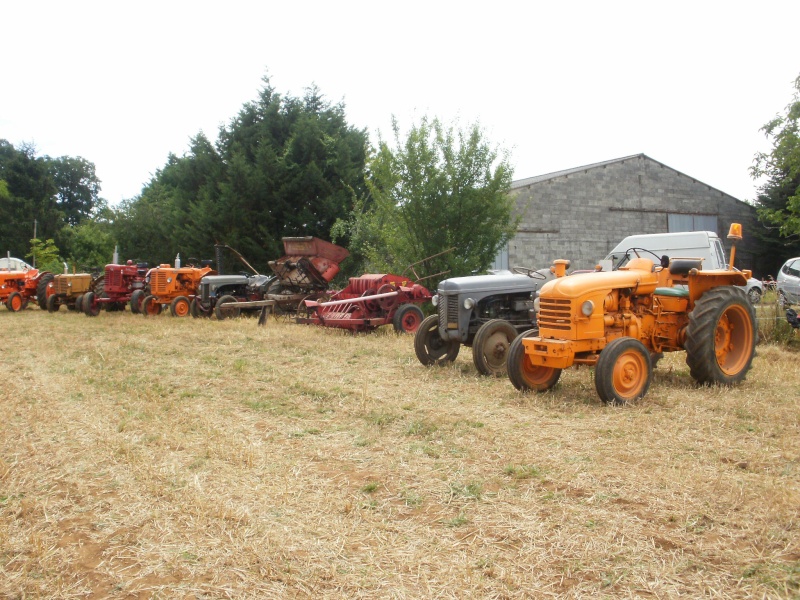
(682, 266)
(673, 292)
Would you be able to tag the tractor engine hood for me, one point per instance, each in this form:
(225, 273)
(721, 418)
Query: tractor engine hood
(218, 280)
(505, 283)
(582, 284)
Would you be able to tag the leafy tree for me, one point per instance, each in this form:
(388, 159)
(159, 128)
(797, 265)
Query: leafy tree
(283, 166)
(44, 255)
(439, 188)
(77, 187)
(778, 199)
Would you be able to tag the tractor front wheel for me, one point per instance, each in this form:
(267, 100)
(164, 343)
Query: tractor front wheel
(231, 311)
(408, 318)
(522, 373)
(151, 307)
(179, 307)
(429, 346)
(78, 306)
(15, 302)
(52, 304)
(721, 337)
(137, 298)
(91, 308)
(490, 347)
(197, 310)
(623, 371)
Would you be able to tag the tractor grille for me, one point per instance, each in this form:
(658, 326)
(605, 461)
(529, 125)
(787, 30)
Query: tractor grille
(555, 314)
(61, 285)
(448, 311)
(158, 283)
(113, 279)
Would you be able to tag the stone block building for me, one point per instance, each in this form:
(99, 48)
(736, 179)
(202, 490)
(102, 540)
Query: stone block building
(582, 213)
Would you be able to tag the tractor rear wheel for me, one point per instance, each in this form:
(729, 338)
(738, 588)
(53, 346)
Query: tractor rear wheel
(623, 371)
(429, 346)
(721, 337)
(91, 308)
(179, 307)
(151, 307)
(231, 311)
(407, 319)
(137, 298)
(490, 347)
(522, 373)
(52, 304)
(44, 290)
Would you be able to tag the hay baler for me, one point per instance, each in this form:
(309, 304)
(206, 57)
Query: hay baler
(118, 286)
(304, 273)
(368, 302)
(617, 321)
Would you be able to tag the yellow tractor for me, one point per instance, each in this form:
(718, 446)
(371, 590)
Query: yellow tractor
(619, 321)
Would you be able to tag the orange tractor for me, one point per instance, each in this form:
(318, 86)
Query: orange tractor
(174, 286)
(619, 321)
(18, 287)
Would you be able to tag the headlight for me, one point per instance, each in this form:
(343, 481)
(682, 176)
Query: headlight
(435, 300)
(587, 308)
(536, 304)
(469, 303)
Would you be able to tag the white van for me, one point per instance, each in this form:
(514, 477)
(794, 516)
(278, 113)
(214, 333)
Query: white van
(705, 245)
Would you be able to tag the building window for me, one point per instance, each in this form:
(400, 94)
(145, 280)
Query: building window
(678, 223)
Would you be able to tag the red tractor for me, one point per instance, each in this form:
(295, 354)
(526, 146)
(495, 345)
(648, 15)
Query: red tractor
(119, 285)
(370, 301)
(18, 287)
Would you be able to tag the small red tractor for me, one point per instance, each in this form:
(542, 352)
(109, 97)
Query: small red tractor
(370, 301)
(120, 285)
(304, 273)
(174, 286)
(18, 287)
(618, 321)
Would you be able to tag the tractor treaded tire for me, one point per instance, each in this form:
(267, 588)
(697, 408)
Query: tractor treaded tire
(623, 371)
(522, 374)
(228, 313)
(721, 337)
(179, 307)
(41, 290)
(487, 360)
(136, 300)
(429, 346)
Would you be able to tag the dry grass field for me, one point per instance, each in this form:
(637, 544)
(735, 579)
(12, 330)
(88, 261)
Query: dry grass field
(179, 458)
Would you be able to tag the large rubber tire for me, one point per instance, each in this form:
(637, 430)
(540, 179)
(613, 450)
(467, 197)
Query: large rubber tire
(623, 371)
(150, 306)
(179, 307)
(226, 312)
(98, 286)
(407, 318)
(52, 304)
(78, 304)
(490, 347)
(43, 291)
(429, 346)
(721, 337)
(91, 308)
(136, 301)
(523, 374)
(197, 310)
(15, 302)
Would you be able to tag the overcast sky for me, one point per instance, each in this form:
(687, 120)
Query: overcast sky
(559, 84)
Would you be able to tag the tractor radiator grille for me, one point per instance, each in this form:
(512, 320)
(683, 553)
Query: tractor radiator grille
(113, 279)
(158, 283)
(555, 314)
(61, 285)
(448, 311)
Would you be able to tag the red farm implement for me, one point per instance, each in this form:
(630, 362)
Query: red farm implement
(370, 301)
(304, 273)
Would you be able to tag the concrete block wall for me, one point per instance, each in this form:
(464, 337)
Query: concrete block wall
(583, 215)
